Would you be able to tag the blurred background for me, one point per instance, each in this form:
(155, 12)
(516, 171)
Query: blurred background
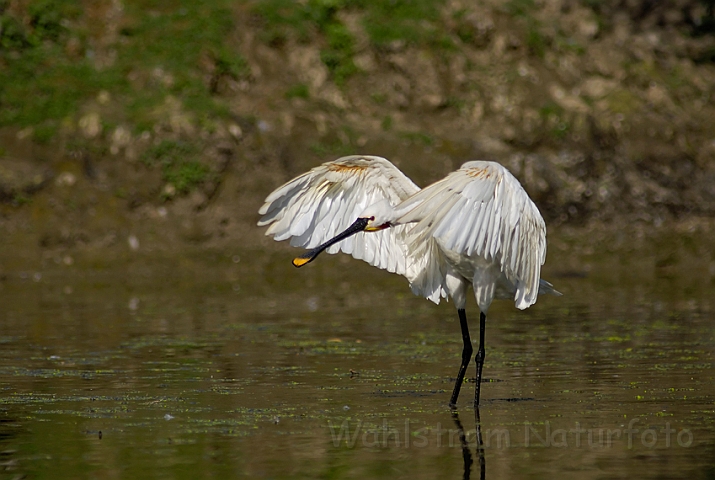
(122, 118)
(149, 328)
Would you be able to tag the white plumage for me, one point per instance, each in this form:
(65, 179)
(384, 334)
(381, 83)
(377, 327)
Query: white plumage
(477, 218)
(315, 206)
(476, 226)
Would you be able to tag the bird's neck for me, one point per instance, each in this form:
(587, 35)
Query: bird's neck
(400, 211)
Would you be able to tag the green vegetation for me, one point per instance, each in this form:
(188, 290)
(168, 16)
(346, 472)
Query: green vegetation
(171, 43)
(44, 133)
(230, 64)
(338, 56)
(344, 143)
(409, 21)
(387, 22)
(378, 98)
(56, 58)
(386, 123)
(623, 101)
(283, 17)
(178, 164)
(38, 81)
(52, 61)
(299, 90)
(43, 22)
(552, 117)
(418, 138)
(520, 8)
(535, 40)
(185, 174)
(21, 199)
(304, 21)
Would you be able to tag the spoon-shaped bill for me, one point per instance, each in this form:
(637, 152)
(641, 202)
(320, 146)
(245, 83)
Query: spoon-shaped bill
(358, 226)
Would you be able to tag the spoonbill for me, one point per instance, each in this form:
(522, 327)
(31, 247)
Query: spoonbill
(476, 226)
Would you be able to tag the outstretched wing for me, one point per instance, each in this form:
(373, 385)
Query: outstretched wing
(316, 206)
(482, 210)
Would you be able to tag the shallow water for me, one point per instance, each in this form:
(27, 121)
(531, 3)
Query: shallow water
(235, 364)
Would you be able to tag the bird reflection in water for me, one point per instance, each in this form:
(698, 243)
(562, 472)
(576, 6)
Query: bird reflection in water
(466, 451)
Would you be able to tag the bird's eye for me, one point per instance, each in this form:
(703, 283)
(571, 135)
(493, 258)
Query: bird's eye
(372, 219)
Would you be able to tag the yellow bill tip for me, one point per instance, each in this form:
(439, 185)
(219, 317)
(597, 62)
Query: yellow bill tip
(300, 261)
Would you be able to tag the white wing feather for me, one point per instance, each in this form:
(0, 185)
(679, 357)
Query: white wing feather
(481, 210)
(323, 202)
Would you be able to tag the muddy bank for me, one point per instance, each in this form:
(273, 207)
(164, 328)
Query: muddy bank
(603, 111)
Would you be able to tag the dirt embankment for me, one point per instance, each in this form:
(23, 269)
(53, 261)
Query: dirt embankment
(604, 110)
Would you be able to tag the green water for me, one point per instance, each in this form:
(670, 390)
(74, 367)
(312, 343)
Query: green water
(212, 364)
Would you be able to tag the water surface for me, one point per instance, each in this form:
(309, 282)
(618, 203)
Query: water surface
(234, 364)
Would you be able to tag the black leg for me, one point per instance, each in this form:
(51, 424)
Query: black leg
(466, 356)
(480, 356)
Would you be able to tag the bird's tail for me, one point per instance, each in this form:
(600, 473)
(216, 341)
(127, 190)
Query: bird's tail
(545, 288)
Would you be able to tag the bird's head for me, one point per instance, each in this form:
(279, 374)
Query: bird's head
(379, 216)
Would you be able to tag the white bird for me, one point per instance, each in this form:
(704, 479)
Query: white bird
(476, 226)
